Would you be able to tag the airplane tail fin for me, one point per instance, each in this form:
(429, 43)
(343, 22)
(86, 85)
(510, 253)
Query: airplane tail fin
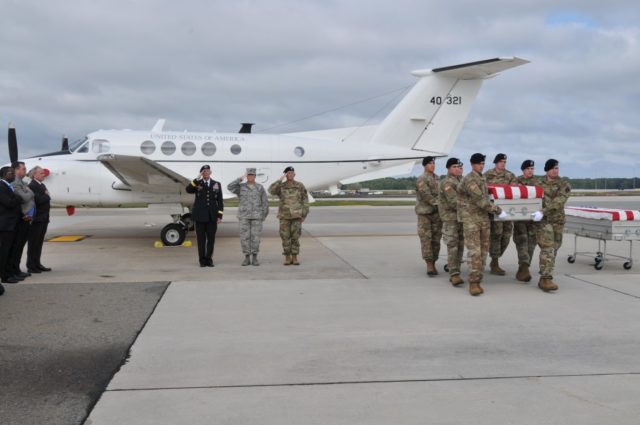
(430, 117)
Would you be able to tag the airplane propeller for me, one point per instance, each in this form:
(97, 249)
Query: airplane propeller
(13, 144)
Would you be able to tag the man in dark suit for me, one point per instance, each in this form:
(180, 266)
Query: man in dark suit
(9, 216)
(40, 220)
(27, 207)
(207, 211)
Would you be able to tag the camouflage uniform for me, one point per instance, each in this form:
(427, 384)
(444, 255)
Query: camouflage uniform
(293, 208)
(474, 208)
(501, 231)
(451, 227)
(549, 231)
(524, 232)
(252, 210)
(429, 223)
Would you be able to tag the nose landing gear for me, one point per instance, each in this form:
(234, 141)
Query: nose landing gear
(174, 234)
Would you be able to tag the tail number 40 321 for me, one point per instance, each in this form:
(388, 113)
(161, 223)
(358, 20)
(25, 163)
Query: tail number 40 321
(449, 100)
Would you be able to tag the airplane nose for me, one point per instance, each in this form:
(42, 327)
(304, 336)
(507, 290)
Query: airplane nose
(46, 172)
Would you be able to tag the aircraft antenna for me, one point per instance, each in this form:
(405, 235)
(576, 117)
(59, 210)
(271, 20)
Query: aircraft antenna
(338, 108)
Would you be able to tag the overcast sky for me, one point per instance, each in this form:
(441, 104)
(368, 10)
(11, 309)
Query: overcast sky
(73, 67)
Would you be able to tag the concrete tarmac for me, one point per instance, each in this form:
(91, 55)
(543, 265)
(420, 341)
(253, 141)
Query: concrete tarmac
(357, 334)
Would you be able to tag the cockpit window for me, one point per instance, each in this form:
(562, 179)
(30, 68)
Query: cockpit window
(75, 145)
(100, 145)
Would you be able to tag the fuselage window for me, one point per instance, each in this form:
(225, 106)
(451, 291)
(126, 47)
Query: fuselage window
(148, 147)
(299, 151)
(188, 148)
(236, 149)
(208, 149)
(100, 146)
(168, 148)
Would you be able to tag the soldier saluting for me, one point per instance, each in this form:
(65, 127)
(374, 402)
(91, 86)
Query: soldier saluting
(474, 208)
(292, 210)
(252, 210)
(207, 211)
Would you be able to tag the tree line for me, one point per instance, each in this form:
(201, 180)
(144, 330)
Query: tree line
(409, 183)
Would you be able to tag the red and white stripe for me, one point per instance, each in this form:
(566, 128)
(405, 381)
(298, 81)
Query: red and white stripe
(603, 213)
(505, 191)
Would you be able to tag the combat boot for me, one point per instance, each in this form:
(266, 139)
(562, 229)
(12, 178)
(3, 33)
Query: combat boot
(495, 268)
(294, 260)
(254, 260)
(247, 260)
(456, 280)
(287, 260)
(547, 284)
(523, 274)
(431, 268)
(475, 288)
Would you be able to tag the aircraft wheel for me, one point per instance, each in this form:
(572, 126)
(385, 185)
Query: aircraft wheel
(446, 268)
(627, 265)
(571, 259)
(598, 266)
(188, 221)
(173, 234)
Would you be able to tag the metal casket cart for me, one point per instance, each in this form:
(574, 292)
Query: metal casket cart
(519, 202)
(603, 224)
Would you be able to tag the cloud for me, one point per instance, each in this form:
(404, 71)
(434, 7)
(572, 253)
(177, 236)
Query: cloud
(76, 66)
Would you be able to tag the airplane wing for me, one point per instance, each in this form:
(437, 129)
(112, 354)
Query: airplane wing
(143, 175)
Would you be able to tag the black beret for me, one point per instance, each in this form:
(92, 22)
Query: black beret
(550, 164)
(453, 161)
(205, 167)
(526, 164)
(427, 159)
(499, 157)
(477, 158)
(289, 168)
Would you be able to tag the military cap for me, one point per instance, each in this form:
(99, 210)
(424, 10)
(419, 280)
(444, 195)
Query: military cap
(550, 164)
(453, 161)
(251, 171)
(499, 157)
(526, 164)
(427, 159)
(289, 168)
(205, 167)
(477, 158)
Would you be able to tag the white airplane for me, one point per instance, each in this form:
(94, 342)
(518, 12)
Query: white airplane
(124, 167)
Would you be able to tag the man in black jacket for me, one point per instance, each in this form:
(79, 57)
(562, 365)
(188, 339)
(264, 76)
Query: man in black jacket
(40, 220)
(9, 216)
(207, 211)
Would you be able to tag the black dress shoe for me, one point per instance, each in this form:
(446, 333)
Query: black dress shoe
(23, 274)
(34, 271)
(203, 265)
(18, 278)
(210, 264)
(10, 279)
(1, 289)
(44, 269)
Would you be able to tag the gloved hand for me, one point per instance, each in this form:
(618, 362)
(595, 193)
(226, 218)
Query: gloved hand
(537, 216)
(503, 216)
